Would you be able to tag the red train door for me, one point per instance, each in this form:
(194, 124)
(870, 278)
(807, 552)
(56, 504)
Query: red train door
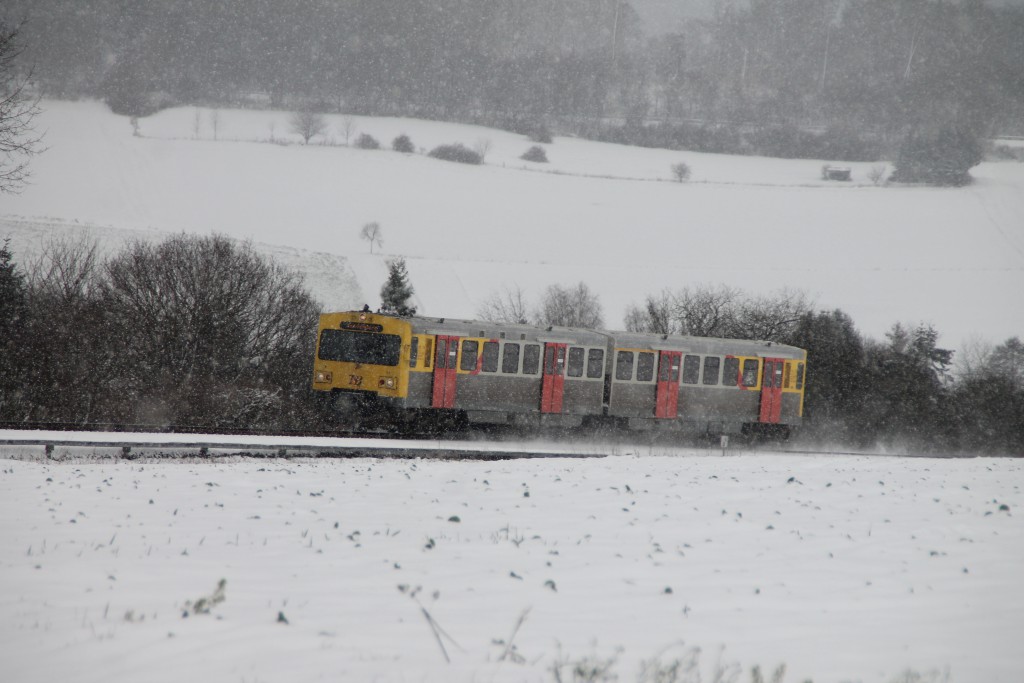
(445, 358)
(553, 382)
(667, 404)
(771, 390)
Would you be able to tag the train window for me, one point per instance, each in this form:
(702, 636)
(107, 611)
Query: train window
(549, 361)
(624, 366)
(414, 351)
(750, 373)
(778, 374)
(787, 375)
(595, 363)
(510, 361)
(360, 347)
(731, 372)
(711, 366)
(644, 367)
(428, 353)
(691, 369)
(800, 376)
(442, 354)
(575, 367)
(665, 367)
(490, 356)
(531, 359)
(470, 349)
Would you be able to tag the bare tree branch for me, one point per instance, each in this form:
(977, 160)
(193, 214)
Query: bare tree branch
(19, 140)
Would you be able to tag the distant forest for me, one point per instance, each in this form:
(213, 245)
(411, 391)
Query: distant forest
(855, 75)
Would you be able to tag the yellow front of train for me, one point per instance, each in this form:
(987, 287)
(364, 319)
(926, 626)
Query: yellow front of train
(364, 352)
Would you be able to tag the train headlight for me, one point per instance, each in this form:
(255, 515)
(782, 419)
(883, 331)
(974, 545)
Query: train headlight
(323, 377)
(386, 383)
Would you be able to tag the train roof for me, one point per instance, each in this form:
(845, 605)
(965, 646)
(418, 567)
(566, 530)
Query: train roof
(509, 331)
(619, 339)
(705, 345)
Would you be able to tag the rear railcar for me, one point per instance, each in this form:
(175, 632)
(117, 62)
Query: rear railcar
(706, 385)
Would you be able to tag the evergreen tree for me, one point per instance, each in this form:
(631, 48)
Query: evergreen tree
(12, 321)
(908, 398)
(835, 377)
(397, 291)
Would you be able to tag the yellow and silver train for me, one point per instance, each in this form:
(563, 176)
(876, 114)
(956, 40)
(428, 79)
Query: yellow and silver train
(417, 372)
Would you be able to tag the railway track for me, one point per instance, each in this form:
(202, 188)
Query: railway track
(165, 446)
(131, 442)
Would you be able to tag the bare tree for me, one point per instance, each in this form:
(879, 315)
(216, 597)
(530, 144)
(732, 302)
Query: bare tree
(505, 306)
(373, 234)
(570, 307)
(769, 317)
(657, 315)
(878, 174)
(66, 271)
(307, 124)
(215, 122)
(720, 311)
(482, 147)
(347, 128)
(706, 311)
(72, 366)
(681, 171)
(18, 139)
(213, 333)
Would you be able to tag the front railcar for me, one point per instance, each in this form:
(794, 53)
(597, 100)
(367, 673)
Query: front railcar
(362, 360)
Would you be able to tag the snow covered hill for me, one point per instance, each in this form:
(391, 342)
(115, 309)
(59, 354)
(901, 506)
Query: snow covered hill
(608, 215)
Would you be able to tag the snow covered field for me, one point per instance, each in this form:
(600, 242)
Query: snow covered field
(843, 568)
(605, 214)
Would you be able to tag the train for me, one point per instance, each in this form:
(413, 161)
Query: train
(420, 374)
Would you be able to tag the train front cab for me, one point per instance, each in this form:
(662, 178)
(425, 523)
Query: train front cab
(362, 363)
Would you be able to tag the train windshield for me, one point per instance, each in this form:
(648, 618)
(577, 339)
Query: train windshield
(360, 347)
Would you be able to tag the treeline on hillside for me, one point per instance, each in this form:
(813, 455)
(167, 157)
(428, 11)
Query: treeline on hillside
(778, 77)
(191, 331)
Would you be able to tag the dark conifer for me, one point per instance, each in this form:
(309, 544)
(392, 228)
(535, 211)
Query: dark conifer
(397, 292)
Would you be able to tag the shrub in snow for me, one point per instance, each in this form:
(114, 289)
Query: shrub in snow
(535, 153)
(403, 144)
(942, 157)
(456, 152)
(367, 141)
(681, 171)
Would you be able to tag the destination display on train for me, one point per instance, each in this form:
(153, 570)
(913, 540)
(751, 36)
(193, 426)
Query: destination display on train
(362, 327)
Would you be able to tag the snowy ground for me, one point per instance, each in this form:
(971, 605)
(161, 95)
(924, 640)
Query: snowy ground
(605, 214)
(844, 568)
